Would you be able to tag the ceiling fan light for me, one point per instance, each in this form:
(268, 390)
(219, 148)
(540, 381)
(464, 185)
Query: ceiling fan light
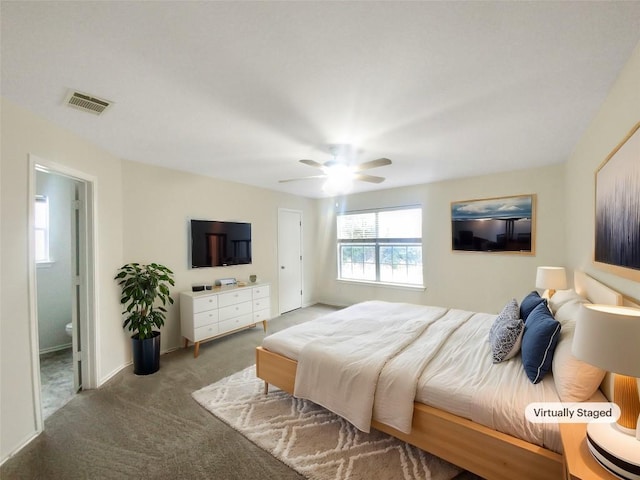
(339, 181)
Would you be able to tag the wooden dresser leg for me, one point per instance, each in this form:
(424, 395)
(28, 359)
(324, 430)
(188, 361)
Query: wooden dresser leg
(196, 350)
(266, 388)
(264, 325)
(186, 342)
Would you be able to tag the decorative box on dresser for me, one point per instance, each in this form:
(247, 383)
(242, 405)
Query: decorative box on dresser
(223, 310)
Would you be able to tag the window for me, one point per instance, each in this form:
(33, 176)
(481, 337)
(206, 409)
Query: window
(42, 229)
(383, 246)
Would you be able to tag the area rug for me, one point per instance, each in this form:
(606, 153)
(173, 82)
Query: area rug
(313, 441)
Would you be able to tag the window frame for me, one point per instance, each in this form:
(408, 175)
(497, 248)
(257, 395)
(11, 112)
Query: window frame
(377, 243)
(45, 229)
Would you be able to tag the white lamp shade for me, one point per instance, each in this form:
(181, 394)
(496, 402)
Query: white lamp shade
(554, 278)
(609, 337)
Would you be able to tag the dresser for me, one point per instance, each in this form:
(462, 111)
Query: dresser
(223, 310)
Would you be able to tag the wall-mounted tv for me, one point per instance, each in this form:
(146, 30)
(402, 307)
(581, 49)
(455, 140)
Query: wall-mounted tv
(218, 244)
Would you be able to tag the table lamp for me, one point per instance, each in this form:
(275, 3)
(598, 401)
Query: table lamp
(609, 337)
(551, 279)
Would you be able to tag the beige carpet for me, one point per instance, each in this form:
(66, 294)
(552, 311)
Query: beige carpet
(311, 440)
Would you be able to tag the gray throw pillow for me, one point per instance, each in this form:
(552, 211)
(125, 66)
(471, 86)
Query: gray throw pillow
(505, 335)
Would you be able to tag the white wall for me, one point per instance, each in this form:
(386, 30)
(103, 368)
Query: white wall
(142, 214)
(54, 278)
(22, 134)
(148, 204)
(618, 114)
(476, 281)
(158, 203)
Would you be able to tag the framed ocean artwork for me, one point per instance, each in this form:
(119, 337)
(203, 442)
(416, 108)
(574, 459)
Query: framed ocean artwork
(502, 224)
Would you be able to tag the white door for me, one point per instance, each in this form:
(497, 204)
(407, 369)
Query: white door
(78, 279)
(289, 260)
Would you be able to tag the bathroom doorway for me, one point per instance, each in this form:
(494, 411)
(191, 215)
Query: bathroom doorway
(63, 260)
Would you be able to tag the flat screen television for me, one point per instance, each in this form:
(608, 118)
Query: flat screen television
(218, 244)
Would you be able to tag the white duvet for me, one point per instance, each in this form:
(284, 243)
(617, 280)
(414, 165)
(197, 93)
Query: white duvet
(374, 359)
(343, 375)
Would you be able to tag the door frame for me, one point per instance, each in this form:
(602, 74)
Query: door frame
(89, 333)
(291, 210)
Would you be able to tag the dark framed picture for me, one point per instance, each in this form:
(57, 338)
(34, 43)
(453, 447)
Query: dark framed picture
(503, 225)
(617, 209)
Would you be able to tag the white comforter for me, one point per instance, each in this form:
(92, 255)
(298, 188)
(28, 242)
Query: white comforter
(382, 356)
(342, 374)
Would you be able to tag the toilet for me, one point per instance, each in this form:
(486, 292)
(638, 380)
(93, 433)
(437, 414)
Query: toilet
(69, 329)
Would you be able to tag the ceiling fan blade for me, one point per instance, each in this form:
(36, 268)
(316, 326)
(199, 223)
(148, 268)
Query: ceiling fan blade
(301, 178)
(311, 163)
(380, 162)
(368, 178)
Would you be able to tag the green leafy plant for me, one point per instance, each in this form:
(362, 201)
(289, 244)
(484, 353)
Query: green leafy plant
(143, 287)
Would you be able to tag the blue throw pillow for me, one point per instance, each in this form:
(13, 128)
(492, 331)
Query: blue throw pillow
(539, 340)
(530, 302)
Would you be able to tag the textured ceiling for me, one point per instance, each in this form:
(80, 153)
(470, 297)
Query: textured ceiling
(243, 90)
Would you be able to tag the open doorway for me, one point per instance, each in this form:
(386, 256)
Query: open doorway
(55, 224)
(62, 283)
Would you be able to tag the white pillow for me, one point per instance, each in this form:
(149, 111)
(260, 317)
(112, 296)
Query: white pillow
(568, 310)
(575, 380)
(562, 297)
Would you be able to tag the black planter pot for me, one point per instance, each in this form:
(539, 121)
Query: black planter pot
(146, 354)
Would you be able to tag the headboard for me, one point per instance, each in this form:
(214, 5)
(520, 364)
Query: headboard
(596, 292)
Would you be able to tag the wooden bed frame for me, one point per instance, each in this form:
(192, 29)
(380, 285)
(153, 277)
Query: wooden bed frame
(486, 452)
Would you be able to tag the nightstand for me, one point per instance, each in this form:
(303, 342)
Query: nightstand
(579, 464)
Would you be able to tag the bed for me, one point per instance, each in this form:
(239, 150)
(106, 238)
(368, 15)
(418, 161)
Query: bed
(454, 404)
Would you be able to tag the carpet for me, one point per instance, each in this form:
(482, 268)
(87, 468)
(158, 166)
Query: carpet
(313, 441)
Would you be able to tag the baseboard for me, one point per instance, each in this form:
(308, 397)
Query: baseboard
(130, 362)
(21, 445)
(113, 373)
(55, 349)
(334, 304)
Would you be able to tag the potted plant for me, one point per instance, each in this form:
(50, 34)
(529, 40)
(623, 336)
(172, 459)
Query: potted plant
(145, 293)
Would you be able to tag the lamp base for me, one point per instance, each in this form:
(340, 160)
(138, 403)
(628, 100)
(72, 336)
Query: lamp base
(615, 450)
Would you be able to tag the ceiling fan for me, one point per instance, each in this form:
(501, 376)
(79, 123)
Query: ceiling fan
(339, 174)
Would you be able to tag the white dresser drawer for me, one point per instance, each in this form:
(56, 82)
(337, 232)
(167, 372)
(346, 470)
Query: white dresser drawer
(234, 311)
(201, 304)
(261, 292)
(261, 315)
(261, 304)
(205, 332)
(231, 298)
(205, 318)
(221, 311)
(235, 323)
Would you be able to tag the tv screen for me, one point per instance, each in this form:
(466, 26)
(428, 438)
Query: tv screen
(218, 244)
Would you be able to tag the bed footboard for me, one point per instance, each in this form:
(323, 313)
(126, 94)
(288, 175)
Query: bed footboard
(276, 370)
(474, 447)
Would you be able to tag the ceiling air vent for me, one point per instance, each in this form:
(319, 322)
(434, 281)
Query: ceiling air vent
(87, 103)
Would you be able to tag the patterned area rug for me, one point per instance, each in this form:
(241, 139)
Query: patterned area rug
(313, 441)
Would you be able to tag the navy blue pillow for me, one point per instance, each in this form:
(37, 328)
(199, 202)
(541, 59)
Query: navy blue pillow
(539, 340)
(530, 302)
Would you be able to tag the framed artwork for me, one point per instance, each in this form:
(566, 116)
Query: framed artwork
(617, 209)
(503, 225)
